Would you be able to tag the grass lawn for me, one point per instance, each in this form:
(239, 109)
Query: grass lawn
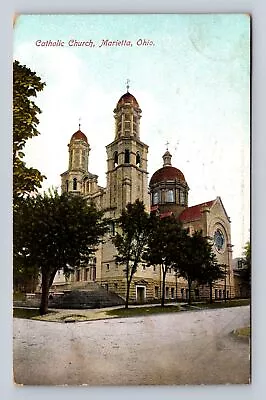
(245, 331)
(25, 312)
(136, 311)
(225, 304)
(18, 296)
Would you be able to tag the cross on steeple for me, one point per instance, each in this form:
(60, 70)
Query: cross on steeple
(166, 144)
(79, 123)
(127, 84)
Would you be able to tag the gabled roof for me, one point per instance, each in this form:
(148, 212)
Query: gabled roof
(194, 213)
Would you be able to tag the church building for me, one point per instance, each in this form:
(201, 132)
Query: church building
(166, 193)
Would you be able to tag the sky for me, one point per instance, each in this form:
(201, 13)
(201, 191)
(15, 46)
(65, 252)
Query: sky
(191, 80)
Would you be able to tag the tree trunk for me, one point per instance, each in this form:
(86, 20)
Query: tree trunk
(211, 301)
(127, 295)
(163, 288)
(189, 291)
(45, 294)
(51, 279)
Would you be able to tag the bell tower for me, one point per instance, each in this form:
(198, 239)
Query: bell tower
(126, 159)
(78, 149)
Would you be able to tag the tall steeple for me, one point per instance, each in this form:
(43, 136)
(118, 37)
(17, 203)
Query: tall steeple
(126, 157)
(127, 116)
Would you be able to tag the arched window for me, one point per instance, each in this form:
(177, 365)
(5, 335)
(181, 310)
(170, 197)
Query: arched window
(75, 184)
(67, 186)
(155, 198)
(138, 159)
(115, 159)
(170, 196)
(127, 156)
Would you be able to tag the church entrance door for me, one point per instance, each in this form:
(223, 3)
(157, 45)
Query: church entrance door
(140, 294)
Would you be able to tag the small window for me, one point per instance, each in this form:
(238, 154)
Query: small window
(143, 267)
(127, 156)
(115, 159)
(220, 294)
(75, 184)
(138, 159)
(112, 228)
(67, 186)
(156, 292)
(170, 196)
(172, 293)
(167, 292)
(154, 268)
(106, 287)
(155, 198)
(107, 267)
(78, 275)
(115, 286)
(182, 293)
(216, 293)
(182, 197)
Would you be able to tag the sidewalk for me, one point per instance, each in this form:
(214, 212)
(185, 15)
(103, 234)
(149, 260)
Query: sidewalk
(79, 315)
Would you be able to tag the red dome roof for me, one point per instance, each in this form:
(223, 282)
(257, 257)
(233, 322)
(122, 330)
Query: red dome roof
(128, 98)
(167, 173)
(79, 136)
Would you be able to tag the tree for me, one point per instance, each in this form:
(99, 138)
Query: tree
(131, 240)
(165, 247)
(54, 232)
(196, 256)
(211, 271)
(26, 84)
(245, 272)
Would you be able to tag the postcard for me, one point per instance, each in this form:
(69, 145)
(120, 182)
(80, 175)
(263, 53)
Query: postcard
(131, 198)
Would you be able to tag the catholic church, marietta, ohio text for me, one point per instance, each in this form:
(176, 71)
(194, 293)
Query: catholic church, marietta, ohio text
(91, 43)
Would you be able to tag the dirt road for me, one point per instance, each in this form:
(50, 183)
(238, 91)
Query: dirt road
(171, 349)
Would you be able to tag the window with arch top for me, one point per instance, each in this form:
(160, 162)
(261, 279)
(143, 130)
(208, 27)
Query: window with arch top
(75, 184)
(127, 156)
(138, 159)
(115, 159)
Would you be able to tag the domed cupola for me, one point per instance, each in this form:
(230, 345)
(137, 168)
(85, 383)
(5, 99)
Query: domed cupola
(168, 188)
(78, 151)
(79, 136)
(127, 116)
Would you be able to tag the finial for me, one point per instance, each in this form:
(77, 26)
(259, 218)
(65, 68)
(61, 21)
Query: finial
(127, 82)
(79, 123)
(166, 144)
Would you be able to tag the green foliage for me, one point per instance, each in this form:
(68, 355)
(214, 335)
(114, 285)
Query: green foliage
(198, 262)
(142, 311)
(26, 85)
(131, 240)
(53, 232)
(166, 246)
(245, 273)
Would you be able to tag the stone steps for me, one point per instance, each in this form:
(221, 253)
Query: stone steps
(91, 297)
